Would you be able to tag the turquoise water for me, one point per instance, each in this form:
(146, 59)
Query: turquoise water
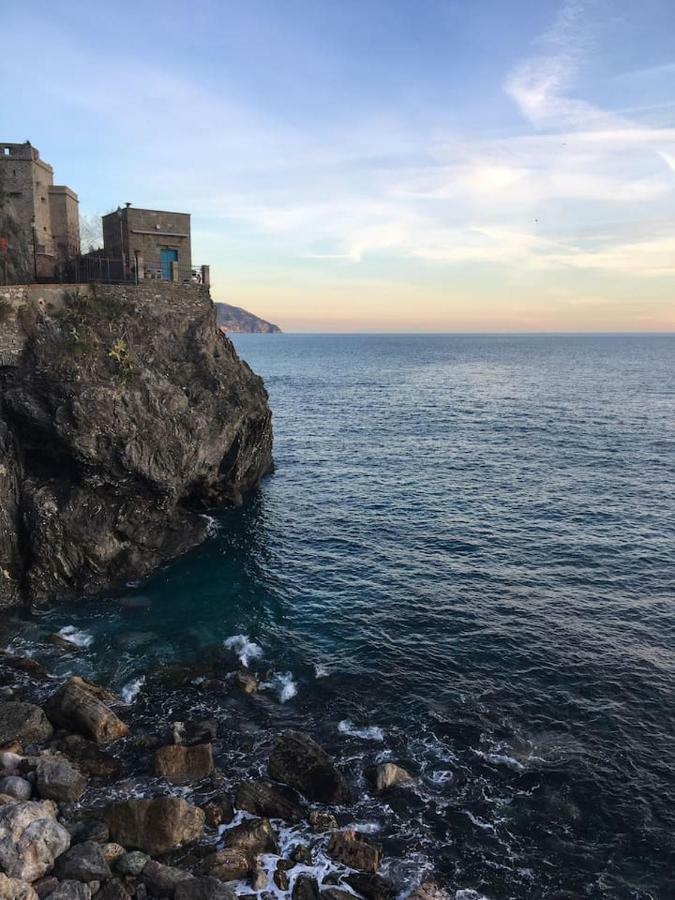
(465, 561)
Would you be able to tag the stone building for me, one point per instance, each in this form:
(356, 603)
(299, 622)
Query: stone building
(46, 214)
(151, 243)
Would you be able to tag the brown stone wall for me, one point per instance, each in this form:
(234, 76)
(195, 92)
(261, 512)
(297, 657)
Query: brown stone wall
(145, 232)
(65, 221)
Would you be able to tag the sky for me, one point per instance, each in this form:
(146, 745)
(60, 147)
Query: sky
(375, 165)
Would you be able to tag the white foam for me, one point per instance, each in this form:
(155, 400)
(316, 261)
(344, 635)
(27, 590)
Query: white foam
(370, 733)
(284, 684)
(77, 637)
(468, 894)
(320, 671)
(213, 526)
(502, 759)
(130, 690)
(244, 647)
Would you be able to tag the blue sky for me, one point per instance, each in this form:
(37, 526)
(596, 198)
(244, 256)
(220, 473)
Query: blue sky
(430, 164)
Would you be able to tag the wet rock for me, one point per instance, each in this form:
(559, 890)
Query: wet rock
(301, 763)
(87, 756)
(263, 798)
(253, 836)
(154, 826)
(350, 848)
(62, 643)
(322, 821)
(387, 775)
(218, 811)
(113, 890)
(160, 880)
(58, 779)
(181, 763)
(429, 890)
(14, 889)
(70, 890)
(280, 877)
(81, 707)
(30, 839)
(23, 722)
(204, 731)
(334, 893)
(301, 855)
(88, 830)
(259, 879)
(131, 863)
(203, 888)
(372, 887)
(83, 862)
(305, 887)
(16, 787)
(245, 681)
(230, 864)
(112, 851)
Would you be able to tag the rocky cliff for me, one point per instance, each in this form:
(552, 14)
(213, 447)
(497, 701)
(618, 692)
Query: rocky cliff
(124, 414)
(238, 320)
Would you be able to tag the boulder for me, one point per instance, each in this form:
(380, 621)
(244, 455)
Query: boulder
(263, 798)
(218, 811)
(58, 779)
(258, 878)
(203, 888)
(14, 889)
(83, 862)
(10, 760)
(320, 820)
(305, 887)
(70, 890)
(112, 851)
(30, 839)
(280, 878)
(349, 848)
(113, 890)
(245, 681)
(253, 836)
(181, 763)
(387, 775)
(154, 826)
(45, 886)
(230, 864)
(372, 887)
(205, 731)
(88, 830)
(16, 787)
(161, 880)
(334, 893)
(81, 707)
(429, 890)
(301, 763)
(23, 722)
(131, 863)
(87, 756)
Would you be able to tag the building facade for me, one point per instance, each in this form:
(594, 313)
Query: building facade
(46, 215)
(151, 243)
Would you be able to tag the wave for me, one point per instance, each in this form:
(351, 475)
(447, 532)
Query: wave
(244, 647)
(284, 684)
(369, 733)
(131, 689)
(80, 638)
(213, 526)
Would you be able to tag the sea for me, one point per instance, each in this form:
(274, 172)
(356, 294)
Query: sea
(465, 563)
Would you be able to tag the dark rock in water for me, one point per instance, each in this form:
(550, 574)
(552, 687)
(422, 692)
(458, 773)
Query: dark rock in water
(16, 787)
(88, 758)
(81, 707)
(429, 890)
(263, 798)
(62, 643)
(334, 893)
(320, 820)
(83, 862)
(245, 681)
(280, 877)
(191, 733)
(149, 418)
(301, 855)
(70, 890)
(372, 887)
(179, 763)
(253, 836)
(160, 880)
(30, 839)
(349, 848)
(300, 762)
(305, 888)
(387, 775)
(23, 722)
(204, 888)
(155, 826)
(15, 889)
(230, 864)
(218, 811)
(88, 830)
(57, 779)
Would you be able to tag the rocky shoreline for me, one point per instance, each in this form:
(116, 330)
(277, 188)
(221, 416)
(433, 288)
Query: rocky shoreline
(110, 800)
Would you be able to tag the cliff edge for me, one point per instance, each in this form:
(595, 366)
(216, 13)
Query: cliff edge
(124, 413)
(238, 320)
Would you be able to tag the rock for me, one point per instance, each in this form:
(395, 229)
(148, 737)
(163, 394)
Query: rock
(245, 681)
(301, 763)
(263, 798)
(204, 731)
(230, 864)
(88, 830)
(301, 855)
(349, 848)
(259, 879)
(280, 878)
(160, 880)
(78, 706)
(18, 788)
(57, 779)
(254, 836)
(322, 821)
(181, 763)
(83, 862)
(151, 418)
(204, 888)
(218, 811)
(62, 643)
(372, 887)
(87, 756)
(155, 826)
(70, 890)
(30, 839)
(113, 890)
(5, 798)
(45, 886)
(334, 893)
(131, 863)
(23, 722)
(387, 775)
(10, 760)
(305, 888)
(14, 889)
(429, 890)
(112, 851)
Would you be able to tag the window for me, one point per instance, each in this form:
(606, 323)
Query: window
(6, 151)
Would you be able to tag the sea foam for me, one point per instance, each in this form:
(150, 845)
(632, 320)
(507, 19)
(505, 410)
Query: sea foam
(284, 684)
(75, 636)
(131, 689)
(244, 647)
(369, 733)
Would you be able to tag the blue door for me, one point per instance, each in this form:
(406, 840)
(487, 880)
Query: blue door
(166, 257)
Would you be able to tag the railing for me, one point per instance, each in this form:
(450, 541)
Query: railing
(105, 270)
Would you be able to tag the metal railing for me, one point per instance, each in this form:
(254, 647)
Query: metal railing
(95, 268)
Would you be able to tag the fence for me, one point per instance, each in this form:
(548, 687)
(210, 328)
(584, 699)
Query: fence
(104, 270)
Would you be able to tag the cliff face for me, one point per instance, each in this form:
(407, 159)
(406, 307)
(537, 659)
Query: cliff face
(238, 320)
(124, 412)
